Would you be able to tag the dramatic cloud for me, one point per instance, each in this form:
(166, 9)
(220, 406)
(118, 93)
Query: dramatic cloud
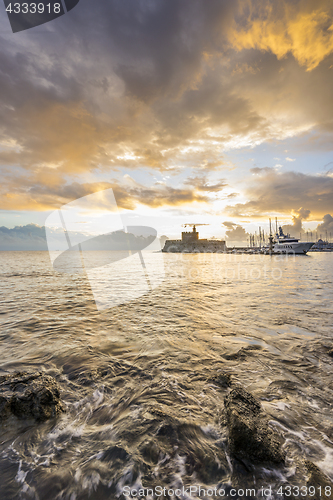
(235, 232)
(161, 87)
(128, 195)
(296, 226)
(302, 28)
(272, 192)
(326, 226)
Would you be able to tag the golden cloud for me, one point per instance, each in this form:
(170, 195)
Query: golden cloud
(304, 29)
(42, 197)
(166, 97)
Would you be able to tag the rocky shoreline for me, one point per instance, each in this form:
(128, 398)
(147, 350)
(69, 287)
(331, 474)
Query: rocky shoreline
(250, 440)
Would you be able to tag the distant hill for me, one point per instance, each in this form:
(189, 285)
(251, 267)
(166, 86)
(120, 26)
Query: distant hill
(33, 237)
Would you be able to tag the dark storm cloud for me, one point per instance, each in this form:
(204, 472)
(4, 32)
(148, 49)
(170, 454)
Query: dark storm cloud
(75, 98)
(160, 44)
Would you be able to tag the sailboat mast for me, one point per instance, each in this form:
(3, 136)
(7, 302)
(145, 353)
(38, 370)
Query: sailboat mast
(270, 237)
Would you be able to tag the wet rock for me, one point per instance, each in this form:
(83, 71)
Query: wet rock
(221, 379)
(243, 352)
(317, 478)
(239, 355)
(250, 436)
(115, 455)
(29, 395)
(150, 452)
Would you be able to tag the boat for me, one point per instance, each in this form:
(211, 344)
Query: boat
(285, 244)
(322, 246)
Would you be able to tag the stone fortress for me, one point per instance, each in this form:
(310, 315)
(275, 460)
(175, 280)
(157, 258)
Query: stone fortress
(190, 243)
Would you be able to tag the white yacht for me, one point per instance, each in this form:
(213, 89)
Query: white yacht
(286, 244)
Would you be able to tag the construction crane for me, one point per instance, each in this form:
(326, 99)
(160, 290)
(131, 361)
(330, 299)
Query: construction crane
(194, 226)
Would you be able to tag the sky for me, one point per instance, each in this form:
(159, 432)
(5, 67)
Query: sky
(217, 112)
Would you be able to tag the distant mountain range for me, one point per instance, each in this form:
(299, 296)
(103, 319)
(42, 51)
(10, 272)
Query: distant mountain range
(33, 237)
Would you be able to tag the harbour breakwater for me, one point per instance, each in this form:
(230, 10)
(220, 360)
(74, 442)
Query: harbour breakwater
(198, 246)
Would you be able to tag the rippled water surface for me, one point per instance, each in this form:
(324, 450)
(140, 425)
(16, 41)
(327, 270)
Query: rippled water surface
(137, 379)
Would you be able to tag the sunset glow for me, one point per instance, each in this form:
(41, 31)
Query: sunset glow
(185, 109)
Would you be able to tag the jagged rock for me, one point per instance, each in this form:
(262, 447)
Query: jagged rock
(115, 453)
(243, 352)
(221, 379)
(250, 436)
(316, 477)
(150, 451)
(29, 395)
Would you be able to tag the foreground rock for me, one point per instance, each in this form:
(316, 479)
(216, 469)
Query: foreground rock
(29, 395)
(221, 379)
(316, 478)
(250, 436)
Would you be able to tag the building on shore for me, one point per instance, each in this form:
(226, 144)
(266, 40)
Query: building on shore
(190, 243)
